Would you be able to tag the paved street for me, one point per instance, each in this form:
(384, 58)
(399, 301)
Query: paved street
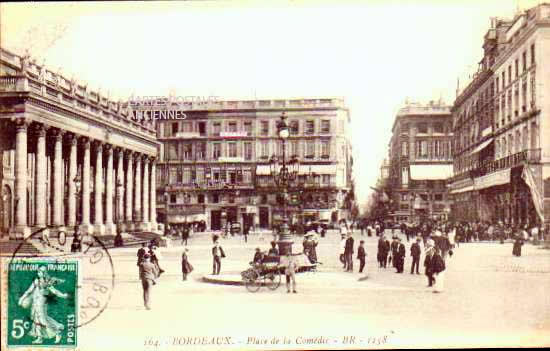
(484, 283)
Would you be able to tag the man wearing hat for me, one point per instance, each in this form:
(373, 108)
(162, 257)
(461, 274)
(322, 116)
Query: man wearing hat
(186, 267)
(361, 254)
(348, 253)
(415, 254)
(148, 274)
(343, 250)
(400, 256)
(428, 262)
(383, 249)
(394, 246)
(258, 256)
(310, 245)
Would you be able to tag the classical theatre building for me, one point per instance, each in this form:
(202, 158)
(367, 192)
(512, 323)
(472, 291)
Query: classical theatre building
(70, 156)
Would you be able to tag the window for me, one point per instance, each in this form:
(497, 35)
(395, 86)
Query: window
(509, 74)
(310, 127)
(404, 197)
(187, 151)
(516, 66)
(201, 150)
(294, 148)
(533, 91)
(187, 127)
(173, 198)
(294, 127)
(248, 128)
(325, 126)
(265, 128)
(421, 148)
(173, 176)
(232, 149)
(405, 128)
(497, 149)
(265, 149)
(525, 143)
(200, 199)
(216, 150)
(404, 148)
(175, 128)
(422, 128)
(524, 61)
(172, 151)
(215, 198)
(532, 54)
(202, 128)
(503, 80)
(310, 149)
(248, 150)
(232, 127)
(404, 176)
(325, 149)
(438, 128)
(217, 128)
(247, 176)
(326, 179)
(438, 197)
(496, 84)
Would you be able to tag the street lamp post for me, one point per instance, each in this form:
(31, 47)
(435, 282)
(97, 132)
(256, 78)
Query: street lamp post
(78, 183)
(166, 197)
(283, 175)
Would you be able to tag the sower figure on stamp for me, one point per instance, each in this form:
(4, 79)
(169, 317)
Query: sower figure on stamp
(43, 326)
(148, 274)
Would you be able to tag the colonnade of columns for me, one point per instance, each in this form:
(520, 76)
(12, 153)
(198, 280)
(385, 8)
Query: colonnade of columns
(123, 181)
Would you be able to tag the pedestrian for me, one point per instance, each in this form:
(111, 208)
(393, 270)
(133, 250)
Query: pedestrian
(141, 252)
(415, 254)
(394, 246)
(246, 230)
(76, 245)
(186, 267)
(119, 242)
(156, 256)
(516, 251)
(428, 262)
(148, 274)
(438, 269)
(185, 234)
(343, 250)
(348, 253)
(400, 256)
(290, 272)
(310, 245)
(382, 254)
(217, 255)
(273, 251)
(361, 255)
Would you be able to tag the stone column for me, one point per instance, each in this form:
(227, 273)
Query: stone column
(153, 197)
(120, 180)
(99, 227)
(129, 188)
(72, 185)
(145, 216)
(41, 174)
(137, 190)
(110, 227)
(86, 227)
(21, 228)
(57, 174)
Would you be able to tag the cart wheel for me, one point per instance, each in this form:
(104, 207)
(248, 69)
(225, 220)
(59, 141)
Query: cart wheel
(273, 280)
(253, 283)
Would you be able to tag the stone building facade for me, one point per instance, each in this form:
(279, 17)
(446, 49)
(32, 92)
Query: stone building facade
(502, 160)
(420, 162)
(214, 165)
(70, 156)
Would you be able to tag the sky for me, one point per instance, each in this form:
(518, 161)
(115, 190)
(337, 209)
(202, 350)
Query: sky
(375, 54)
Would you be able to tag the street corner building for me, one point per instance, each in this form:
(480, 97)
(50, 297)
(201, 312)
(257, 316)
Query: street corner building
(420, 162)
(70, 156)
(501, 126)
(214, 166)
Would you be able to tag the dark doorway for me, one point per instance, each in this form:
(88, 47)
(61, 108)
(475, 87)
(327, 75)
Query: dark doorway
(264, 217)
(215, 220)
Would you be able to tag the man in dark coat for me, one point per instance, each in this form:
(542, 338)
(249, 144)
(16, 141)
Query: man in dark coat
(217, 255)
(415, 254)
(394, 247)
(348, 253)
(428, 265)
(141, 252)
(400, 257)
(185, 234)
(382, 254)
(361, 255)
(186, 267)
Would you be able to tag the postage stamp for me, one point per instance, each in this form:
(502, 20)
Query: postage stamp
(42, 303)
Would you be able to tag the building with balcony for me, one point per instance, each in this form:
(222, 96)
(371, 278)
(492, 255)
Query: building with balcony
(420, 162)
(70, 156)
(501, 160)
(214, 165)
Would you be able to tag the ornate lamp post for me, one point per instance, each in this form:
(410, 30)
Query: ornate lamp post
(119, 194)
(166, 198)
(78, 184)
(283, 175)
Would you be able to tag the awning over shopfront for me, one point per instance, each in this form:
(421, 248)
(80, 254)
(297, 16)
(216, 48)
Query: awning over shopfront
(482, 146)
(189, 218)
(463, 190)
(304, 169)
(493, 179)
(431, 172)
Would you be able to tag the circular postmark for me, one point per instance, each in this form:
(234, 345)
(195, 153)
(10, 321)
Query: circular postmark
(87, 273)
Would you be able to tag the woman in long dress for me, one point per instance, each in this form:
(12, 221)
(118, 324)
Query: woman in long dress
(43, 326)
(438, 268)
